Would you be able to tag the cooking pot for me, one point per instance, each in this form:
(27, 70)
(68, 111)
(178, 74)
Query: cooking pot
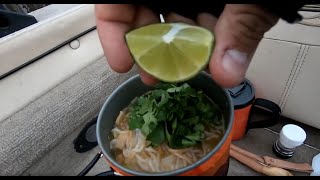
(216, 162)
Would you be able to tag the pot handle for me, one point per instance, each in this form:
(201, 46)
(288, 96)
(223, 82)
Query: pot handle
(264, 105)
(91, 164)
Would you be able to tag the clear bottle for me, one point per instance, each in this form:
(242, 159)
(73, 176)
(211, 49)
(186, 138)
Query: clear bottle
(316, 165)
(291, 136)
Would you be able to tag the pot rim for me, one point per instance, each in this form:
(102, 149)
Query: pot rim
(111, 159)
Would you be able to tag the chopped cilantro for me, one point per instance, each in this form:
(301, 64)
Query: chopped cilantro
(176, 114)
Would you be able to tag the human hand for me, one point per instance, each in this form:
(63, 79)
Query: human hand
(238, 31)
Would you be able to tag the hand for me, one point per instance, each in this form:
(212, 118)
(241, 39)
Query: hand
(238, 32)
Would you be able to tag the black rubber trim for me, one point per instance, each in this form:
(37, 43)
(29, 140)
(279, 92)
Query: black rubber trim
(46, 53)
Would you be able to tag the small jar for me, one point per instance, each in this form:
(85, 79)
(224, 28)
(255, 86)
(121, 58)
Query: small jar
(316, 165)
(291, 136)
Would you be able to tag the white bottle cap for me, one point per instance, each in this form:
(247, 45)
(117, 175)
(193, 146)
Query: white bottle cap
(292, 136)
(316, 165)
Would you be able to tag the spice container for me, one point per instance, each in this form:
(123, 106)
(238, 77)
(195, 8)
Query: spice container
(291, 136)
(316, 165)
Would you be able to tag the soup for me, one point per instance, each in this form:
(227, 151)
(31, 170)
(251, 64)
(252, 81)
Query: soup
(166, 129)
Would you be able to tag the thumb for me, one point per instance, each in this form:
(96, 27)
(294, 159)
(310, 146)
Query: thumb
(238, 32)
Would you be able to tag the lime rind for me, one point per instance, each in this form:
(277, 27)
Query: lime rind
(161, 67)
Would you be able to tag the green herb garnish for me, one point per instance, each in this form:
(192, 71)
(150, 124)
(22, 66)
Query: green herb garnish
(176, 114)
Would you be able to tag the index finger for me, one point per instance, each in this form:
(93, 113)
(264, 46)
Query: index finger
(113, 21)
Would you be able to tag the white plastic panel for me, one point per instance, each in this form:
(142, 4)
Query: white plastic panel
(303, 103)
(271, 68)
(28, 43)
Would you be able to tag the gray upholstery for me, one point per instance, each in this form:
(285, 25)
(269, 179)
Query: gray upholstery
(34, 130)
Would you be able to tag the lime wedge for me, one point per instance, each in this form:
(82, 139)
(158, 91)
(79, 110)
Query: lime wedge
(171, 52)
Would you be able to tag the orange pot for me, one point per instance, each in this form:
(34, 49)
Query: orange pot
(240, 122)
(216, 162)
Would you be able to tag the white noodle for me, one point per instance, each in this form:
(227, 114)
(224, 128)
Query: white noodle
(119, 118)
(158, 162)
(151, 166)
(137, 153)
(177, 163)
(150, 149)
(141, 162)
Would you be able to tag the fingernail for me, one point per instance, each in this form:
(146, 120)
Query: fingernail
(235, 61)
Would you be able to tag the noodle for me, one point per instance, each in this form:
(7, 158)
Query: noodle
(132, 150)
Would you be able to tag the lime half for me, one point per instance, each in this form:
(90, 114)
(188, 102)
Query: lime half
(171, 52)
